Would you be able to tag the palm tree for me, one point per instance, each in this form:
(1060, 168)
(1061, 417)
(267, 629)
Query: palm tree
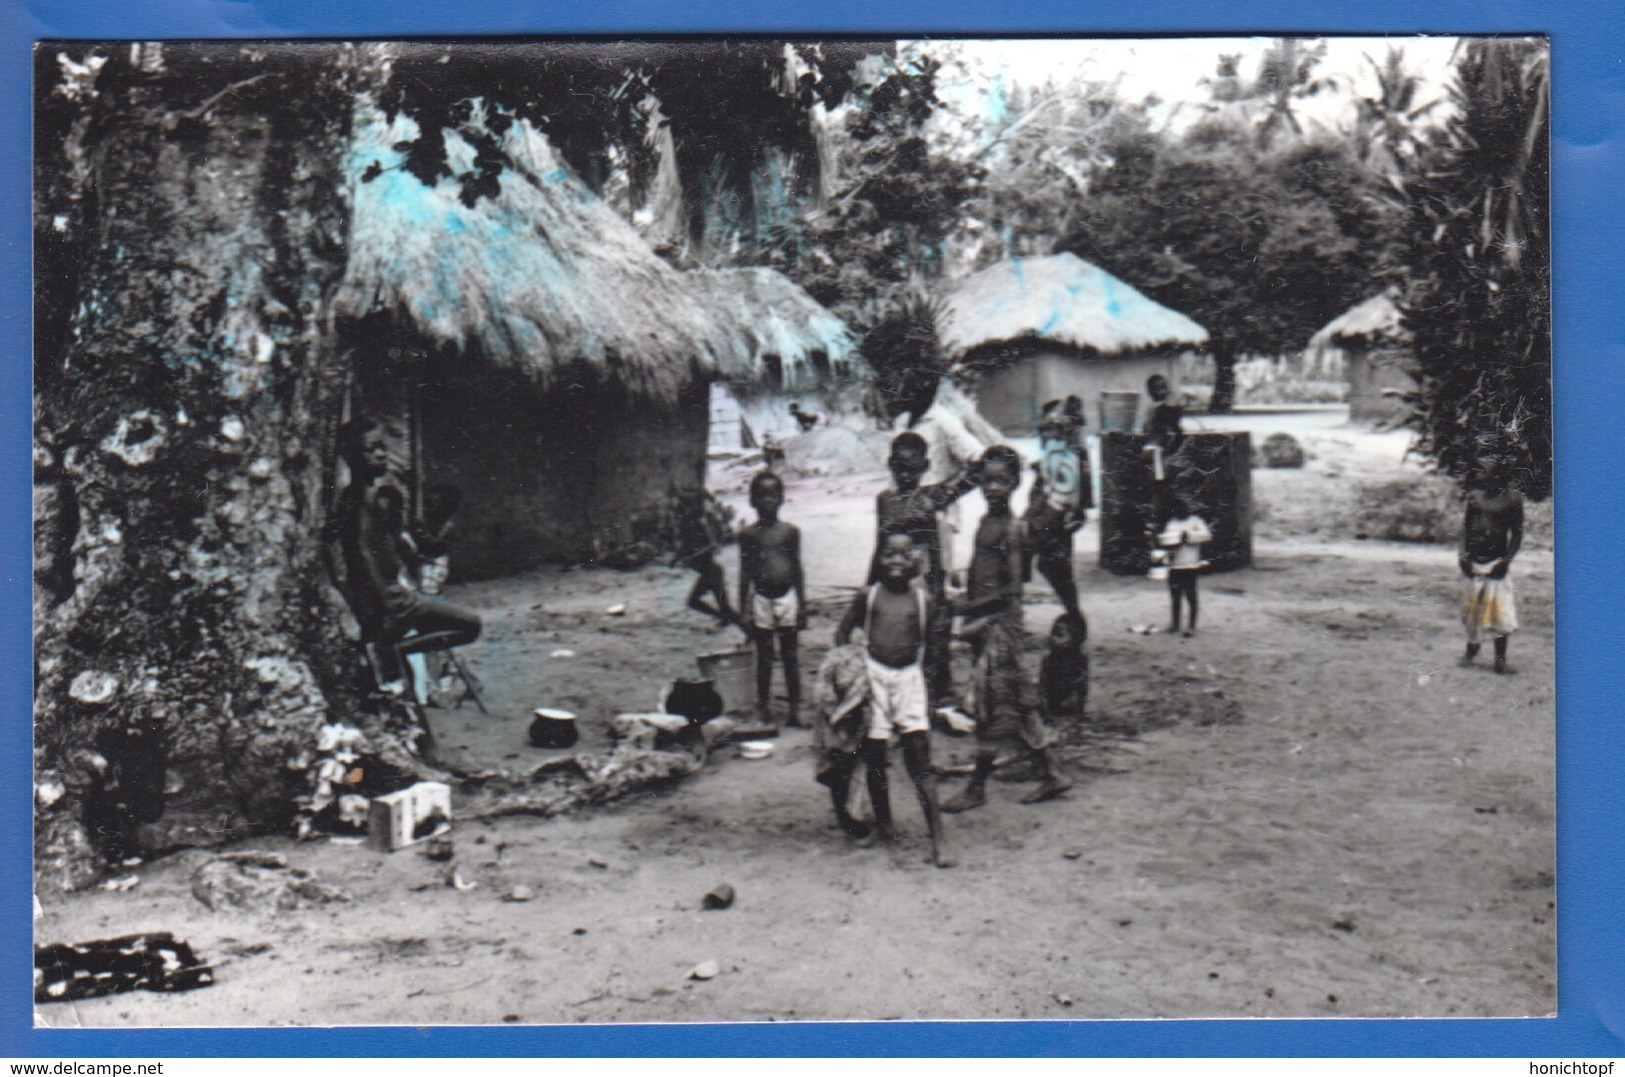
(1478, 301)
(1386, 137)
(1266, 107)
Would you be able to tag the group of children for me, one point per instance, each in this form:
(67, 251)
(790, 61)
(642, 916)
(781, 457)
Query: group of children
(898, 682)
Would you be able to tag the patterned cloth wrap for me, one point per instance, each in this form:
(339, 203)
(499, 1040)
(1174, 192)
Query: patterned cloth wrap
(1488, 605)
(843, 706)
(1000, 692)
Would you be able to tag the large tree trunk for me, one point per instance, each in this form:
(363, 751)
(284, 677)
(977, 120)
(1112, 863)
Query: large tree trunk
(1223, 400)
(187, 637)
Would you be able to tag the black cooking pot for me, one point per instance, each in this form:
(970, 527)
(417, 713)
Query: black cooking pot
(696, 700)
(553, 729)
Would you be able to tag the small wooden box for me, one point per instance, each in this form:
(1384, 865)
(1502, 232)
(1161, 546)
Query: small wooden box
(408, 816)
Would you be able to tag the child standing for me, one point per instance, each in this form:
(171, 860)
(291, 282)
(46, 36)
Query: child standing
(1165, 434)
(1005, 717)
(911, 509)
(1184, 536)
(773, 592)
(1061, 495)
(1063, 675)
(896, 615)
(1491, 538)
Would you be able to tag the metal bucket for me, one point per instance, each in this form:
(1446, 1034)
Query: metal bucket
(1118, 409)
(734, 674)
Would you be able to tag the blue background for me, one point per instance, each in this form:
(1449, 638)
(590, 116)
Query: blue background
(1588, 157)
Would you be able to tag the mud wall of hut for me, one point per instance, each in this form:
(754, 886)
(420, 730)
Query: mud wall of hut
(1010, 399)
(561, 478)
(1370, 374)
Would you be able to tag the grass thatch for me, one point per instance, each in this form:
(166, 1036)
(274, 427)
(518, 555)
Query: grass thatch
(773, 316)
(543, 277)
(1063, 299)
(1375, 321)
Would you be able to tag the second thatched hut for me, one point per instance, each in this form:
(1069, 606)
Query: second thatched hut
(1030, 330)
(552, 368)
(1375, 350)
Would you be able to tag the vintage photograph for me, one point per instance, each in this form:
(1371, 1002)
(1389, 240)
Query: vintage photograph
(543, 532)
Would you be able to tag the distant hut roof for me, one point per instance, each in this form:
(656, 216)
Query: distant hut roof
(773, 316)
(1375, 321)
(1059, 298)
(540, 278)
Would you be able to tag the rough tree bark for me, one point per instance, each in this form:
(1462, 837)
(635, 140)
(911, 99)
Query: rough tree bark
(187, 638)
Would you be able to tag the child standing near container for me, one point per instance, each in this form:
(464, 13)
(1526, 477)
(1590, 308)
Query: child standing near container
(896, 616)
(1184, 537)
(773, 593)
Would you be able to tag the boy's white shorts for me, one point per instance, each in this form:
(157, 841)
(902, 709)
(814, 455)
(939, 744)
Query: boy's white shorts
(896, 700)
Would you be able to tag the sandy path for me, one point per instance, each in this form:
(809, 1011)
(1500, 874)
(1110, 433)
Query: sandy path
(1307, 810)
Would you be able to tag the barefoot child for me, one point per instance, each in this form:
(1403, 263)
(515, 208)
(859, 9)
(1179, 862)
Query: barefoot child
(772, 592)
(896, 615)
(1184, 537)
(1491, 538)
(911, 509)
(1005, 717)
(699, 536)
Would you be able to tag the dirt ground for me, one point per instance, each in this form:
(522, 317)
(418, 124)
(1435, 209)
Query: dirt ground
(1309, 809)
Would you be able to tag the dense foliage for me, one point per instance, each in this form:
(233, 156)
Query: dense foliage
(1260, 248)
(880, 237)
(732, 109)
(1477, 269)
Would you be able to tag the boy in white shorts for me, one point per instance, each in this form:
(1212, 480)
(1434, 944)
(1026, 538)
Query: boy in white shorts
(772, 593)
(896, 615)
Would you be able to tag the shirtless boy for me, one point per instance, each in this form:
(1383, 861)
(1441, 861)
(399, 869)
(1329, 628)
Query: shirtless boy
(913, 509)
(896, 615)
(1491, 538)
(1001, 703)
(772, 592)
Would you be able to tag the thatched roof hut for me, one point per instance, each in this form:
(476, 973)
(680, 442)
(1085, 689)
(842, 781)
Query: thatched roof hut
(1064, 300)
(795, 349)
(543, 278)
(1375, 321)
(1038, 329)
(792, 341)
(1374, 345)
(554, 370)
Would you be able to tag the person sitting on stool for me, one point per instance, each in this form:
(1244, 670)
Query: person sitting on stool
(373, 519)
